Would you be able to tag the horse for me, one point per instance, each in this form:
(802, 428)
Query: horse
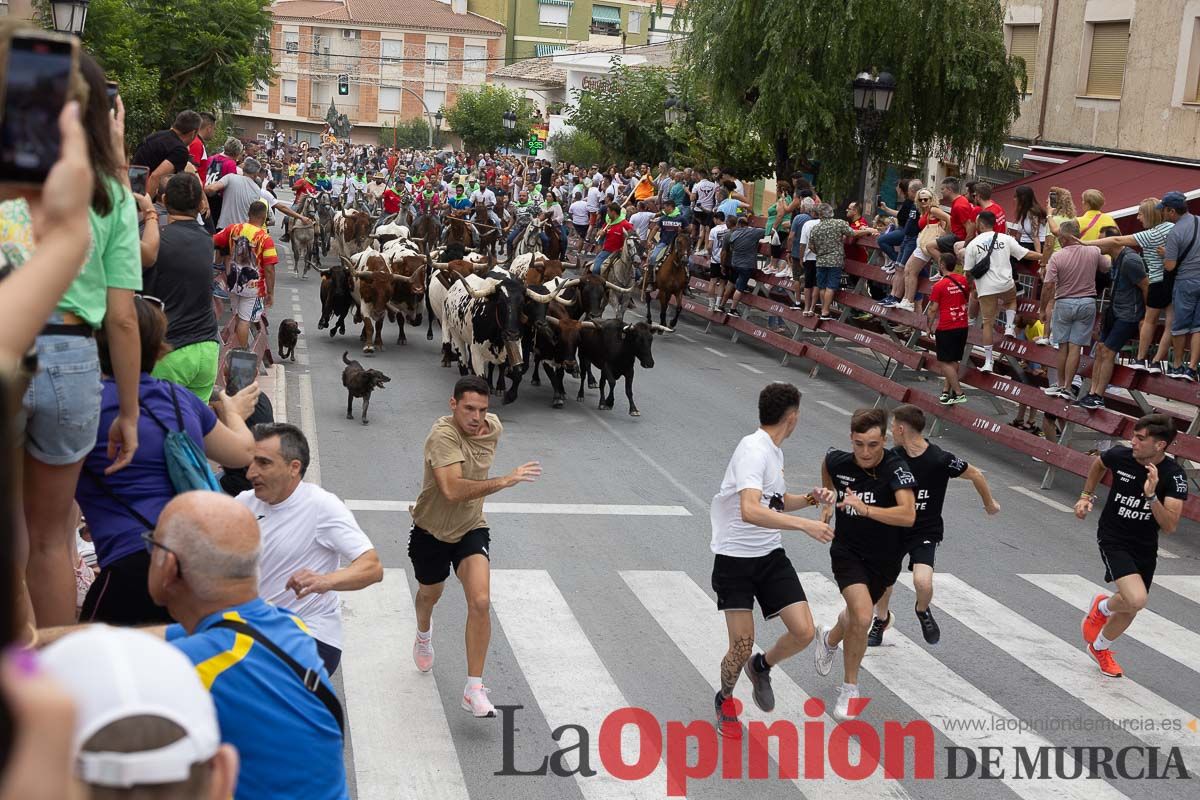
(670, 278)
(557, 247)
(489, 234)
(304, 240)
(325, 212)
(530, 240)
(458, 230)
(427, 228)
(618, 271)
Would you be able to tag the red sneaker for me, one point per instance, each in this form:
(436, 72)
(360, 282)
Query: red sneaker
(1093, 623)
(1108, 664)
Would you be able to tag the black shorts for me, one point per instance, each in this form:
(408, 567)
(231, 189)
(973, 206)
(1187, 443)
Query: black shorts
(921, 550)
(581, 230)
(951, 344)
(945, 243)
(777, 250)
(119, 596)
(702, 217)
(432, 558)
(850, 568)
(1121, 560)
(810, 274)
(715, 271)
(1159, 294)
(771, 579)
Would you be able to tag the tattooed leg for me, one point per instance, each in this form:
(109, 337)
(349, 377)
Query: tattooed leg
(736, 657)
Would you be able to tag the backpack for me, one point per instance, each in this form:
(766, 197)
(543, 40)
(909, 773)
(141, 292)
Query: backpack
(186, 463)
(243, 264)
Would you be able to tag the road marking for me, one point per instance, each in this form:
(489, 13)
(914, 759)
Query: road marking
(296, 307)
(568, 679)
(1065, 665)
(685, 337)
(659, 468)
(279, 401)
(1184, 585)
(716, 352)
(298, 319)
(946, 699)
(687, 615)
(1173, 641)
(835, 407)
(308, 424)
(566, 509)
(749, 368)
(1041, 498)
(1164, 553)
(383, 689)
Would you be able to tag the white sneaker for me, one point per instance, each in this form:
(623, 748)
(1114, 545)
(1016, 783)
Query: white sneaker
(475, 700)
(1010, 330)
(823, 653)
(906, 305)
(841, 711)
(987, 367)
(423, 654)
(1042, 340)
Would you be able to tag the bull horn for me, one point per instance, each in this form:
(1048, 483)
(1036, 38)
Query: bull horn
(402, 278)
(441, 265)
(538, 298)
(564, 303)
(553, 321)
(349, 264)
(416, 239)
(587, 323)
(363, 273)
(487, 291)
(616, 288)
(569, 284)
(661, 328)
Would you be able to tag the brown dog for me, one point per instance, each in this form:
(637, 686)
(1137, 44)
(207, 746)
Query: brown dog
(289, 332)
(360, 382)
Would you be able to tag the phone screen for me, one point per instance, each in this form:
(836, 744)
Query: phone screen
(137, 179)
(112, 90)
(36, 89)
(243, 370)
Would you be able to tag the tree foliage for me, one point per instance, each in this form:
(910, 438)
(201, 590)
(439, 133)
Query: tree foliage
(623, 113)
(167, 57)
(409, 133)
(785, 66)
(576, 147)
(477, 116)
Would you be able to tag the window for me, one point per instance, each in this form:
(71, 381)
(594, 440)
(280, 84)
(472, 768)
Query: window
(436, 54)
(434, 100)
(261, 91)
(1023, 44)
(475, 58)
(291, 42)
(554, 12)
(635, 21)
(391, 49)
(289, 91)
(389, 98)
(1106, 66)
(606, 20)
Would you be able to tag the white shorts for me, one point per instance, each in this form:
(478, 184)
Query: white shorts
(246, 308)
(920, 254)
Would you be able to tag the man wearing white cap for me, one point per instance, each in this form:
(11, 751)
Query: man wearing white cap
(145, 725)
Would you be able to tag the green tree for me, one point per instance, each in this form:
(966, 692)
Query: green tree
(713, 138)
(624, 113)
(478, 117)
(576, 147)
(167, 57)
(785, 66)
(409, 133)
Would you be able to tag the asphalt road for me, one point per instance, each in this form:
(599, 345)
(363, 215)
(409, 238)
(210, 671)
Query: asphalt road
(596, 611)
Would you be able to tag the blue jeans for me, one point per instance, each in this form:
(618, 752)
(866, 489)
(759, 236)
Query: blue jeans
(889, 241)
(907, 249)
(601, 257)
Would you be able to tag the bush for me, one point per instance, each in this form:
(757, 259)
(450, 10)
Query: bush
(576, 147)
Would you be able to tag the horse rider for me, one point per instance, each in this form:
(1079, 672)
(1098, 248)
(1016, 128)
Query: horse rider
(614, 232)
(667, 225)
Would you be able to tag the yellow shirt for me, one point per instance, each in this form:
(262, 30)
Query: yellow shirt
(447, 445)
(1097, 225)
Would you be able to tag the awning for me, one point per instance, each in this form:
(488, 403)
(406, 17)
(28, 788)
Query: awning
(567, 3)
(1124, 180)
(606, 14)
(540, 50)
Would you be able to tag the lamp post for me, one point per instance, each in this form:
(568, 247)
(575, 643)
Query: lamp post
(872, 99)
(437, 123)
(674, 110)
(69, 16)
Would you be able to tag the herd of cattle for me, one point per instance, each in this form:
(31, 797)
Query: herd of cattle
(496, 320)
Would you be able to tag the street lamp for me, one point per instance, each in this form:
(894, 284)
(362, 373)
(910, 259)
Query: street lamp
(673, 109)
(872, 99)
(69, 16)
(510, 120)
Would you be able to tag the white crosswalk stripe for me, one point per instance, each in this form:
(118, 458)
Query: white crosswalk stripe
(951, 704)
(384, 690)
(1186, 585)
(1173, 641)
(570, 682)
(690, 618)
(1065, 665)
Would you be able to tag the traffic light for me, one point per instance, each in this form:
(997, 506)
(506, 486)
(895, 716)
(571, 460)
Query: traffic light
(343, 84)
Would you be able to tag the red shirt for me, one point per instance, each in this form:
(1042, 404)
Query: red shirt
(1001, 219)
(962, 211)
(951, 294)
(199, 157)
(614, 239)
(391, 202)
(302, 187)
(856, 252)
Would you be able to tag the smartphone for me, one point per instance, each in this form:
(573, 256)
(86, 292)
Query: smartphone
(112, 89)
(1054, 199)
(35, 89)
(243, 370)
(137, 179)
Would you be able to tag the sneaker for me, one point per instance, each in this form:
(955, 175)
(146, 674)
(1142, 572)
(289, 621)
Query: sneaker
(958, 398)
(220, 292)
(987, 367)
(760, 679)
(1010, 330)
(826, 317)
(823, 653)
(795, 305)
(1090, 401)
(1174, 372)
(878, 626)
(1156, 367)
(1065, 393)
(929, 626)
(84, 578)
(475, 700)
(1052, 390)
(1042, 340)
(1190, 374)
(1140, 364)
(944, 398)
(1094, 622)
(906, 305)
(727, 721)
(1108, 664)
(733, 312)
(841, 710)
(889, 301)
(423, 654)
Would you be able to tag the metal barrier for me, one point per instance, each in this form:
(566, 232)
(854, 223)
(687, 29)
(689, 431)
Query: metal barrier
(898, 339)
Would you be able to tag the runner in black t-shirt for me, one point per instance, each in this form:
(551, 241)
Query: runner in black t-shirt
(876, 502)
(1147, 495)
(933, 468)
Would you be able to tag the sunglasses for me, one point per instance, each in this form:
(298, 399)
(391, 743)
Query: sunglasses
(148, 539)
(145, 298)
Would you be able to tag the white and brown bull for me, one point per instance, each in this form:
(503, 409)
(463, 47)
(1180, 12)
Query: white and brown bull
(373, 287)
(351, 232)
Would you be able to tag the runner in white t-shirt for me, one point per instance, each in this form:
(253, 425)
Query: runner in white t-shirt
(750, 563)
(307, 533)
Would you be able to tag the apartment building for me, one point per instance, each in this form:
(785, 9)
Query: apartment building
(400, 60)
(544, 27)
(1119, 75)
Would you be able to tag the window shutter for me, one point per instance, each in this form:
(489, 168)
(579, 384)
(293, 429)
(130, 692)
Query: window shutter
(1023, 44)
(1106, 69)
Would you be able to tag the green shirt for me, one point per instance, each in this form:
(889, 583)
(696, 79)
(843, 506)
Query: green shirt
(114, 260)
(787, 200)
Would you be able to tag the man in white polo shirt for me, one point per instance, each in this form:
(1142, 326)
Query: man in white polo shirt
(307, 534)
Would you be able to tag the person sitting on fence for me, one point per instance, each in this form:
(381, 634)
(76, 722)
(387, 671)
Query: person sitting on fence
(1123, 317)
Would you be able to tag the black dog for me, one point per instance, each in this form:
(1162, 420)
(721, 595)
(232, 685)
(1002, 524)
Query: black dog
(360, 382)
(289, 332)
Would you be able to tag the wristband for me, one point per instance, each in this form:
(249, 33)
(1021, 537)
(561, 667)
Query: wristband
(1087, 496)
(812, 501)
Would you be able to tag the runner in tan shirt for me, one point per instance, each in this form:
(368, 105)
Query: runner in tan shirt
(449, 528)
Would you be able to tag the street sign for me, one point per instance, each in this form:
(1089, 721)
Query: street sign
(535, 144)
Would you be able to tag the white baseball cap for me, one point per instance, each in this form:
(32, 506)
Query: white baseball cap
(117, 673)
